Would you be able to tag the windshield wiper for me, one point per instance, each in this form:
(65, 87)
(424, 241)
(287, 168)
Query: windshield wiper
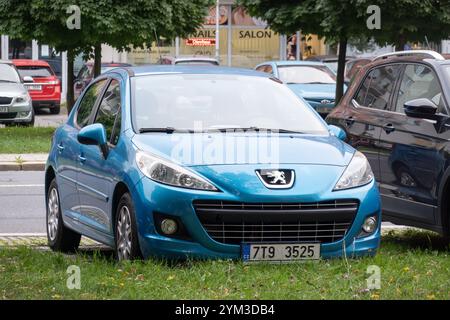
(256, 129)
(9, 81)
(149, 130)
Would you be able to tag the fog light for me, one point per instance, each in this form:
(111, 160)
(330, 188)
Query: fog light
(169, 226)
(370, 224)
(23, 114)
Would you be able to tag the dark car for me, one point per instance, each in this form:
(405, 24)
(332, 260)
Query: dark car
(86, 74)
(396, 111)
(352, 66)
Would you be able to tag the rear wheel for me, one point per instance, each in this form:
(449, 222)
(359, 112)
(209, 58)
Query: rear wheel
(55, 109)
(60, 238)
(126, 236)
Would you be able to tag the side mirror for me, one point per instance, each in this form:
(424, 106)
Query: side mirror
(94, 134)
(338, 132)
(28, 79)
(421, 108)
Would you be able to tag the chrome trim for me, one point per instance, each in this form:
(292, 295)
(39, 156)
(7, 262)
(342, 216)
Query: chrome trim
(278, 186)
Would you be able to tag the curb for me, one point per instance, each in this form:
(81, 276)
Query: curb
(24, 166)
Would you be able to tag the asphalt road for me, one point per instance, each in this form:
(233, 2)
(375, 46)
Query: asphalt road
(22, 207)
(45, 119)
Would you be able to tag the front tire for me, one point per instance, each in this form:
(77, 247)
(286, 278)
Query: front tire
(56, 109)
(126, 236)
(60, 238)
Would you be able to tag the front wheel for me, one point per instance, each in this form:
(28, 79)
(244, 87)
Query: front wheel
(126, 236)
(60, 238)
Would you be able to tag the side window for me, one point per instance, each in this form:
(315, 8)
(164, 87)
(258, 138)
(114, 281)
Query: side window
(269, 69)
(87, 103)
(261, 68)
(377, 87)
(109, 110)
(419, 81)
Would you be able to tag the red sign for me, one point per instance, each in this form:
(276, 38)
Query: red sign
(201, 42)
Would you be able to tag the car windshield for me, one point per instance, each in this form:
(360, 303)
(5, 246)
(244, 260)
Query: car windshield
(306, 74)
(219, 102)
(8, 73)
(35, 71)
(333, 65)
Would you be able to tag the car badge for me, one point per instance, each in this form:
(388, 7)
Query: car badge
(276, 178)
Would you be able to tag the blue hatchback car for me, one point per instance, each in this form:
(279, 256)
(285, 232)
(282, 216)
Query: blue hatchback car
(177, 162)
(313, 81)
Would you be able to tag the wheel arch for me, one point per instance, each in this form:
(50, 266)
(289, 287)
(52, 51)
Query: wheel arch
(49, 176)
(119, 190)
(444, 203)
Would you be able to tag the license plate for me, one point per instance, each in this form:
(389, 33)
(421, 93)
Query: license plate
(280, 252)
(3, 109)
(34, 87)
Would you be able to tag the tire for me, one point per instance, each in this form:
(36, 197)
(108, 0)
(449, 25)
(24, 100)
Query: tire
(126, 235)
(56, 109)
(60, 238)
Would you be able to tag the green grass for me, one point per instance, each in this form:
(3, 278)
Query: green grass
(25, 140)
(414, 265)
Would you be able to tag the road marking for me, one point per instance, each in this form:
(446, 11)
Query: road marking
(23, 234)
(21, 185)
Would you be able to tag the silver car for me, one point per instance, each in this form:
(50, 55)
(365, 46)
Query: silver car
(15, 102)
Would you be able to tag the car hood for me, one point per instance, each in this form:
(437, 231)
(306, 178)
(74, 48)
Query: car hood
(314, 91)
(221, 149)
(11, 89)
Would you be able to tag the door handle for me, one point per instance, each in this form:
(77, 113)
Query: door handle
(349, 121)
(60, 147)
(81, 158)
(388, 128)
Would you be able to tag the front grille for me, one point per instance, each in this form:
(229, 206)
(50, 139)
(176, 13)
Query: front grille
(236, 222)
(5, 100)
(8, 115)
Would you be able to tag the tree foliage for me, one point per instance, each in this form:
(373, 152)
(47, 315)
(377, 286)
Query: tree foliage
(340, 21)
(114, 22)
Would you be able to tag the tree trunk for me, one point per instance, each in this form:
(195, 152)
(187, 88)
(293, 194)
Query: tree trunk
(70, 99)
(97, 59)
(400, 43)
(341, 69)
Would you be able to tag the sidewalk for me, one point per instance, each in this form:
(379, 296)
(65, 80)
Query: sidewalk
(23, 162)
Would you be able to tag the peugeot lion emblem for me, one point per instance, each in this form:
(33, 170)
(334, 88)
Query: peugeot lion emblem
(276, 178)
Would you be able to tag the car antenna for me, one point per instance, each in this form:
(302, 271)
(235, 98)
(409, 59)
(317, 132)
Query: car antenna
(428, 44)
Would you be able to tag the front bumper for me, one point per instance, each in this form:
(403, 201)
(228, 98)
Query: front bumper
(14, 114)
(150, 197)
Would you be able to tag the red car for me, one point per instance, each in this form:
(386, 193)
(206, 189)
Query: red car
(45, 90)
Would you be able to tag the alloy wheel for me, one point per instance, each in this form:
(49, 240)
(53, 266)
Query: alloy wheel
(52, 213)
(124, 234)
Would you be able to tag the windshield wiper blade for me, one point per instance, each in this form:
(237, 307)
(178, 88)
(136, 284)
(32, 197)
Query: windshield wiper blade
(9, 81)
(256, 129)
(149, 130)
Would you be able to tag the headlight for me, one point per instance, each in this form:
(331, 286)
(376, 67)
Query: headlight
(357, 173)
(23, 98)
(170, 173)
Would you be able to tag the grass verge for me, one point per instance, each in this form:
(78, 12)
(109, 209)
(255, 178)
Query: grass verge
(25, 140)
(414, 265)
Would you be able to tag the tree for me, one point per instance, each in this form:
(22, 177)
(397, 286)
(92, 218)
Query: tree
(337, 21)
(117, 23)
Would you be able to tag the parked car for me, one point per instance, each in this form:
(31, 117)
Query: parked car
(124, 171)
(331, 61)
(190, 60)
(313, 81)
(352, 66)
(86, 74)
(396, 111)
(15, 102)
(56, 66)
(45, 89)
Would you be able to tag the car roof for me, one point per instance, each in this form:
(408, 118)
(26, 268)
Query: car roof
(28, 62)
(6, 62)
(293, 63)
(187, 69)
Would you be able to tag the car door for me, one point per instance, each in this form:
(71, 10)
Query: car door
(97, 171)
(411, 163)
(369, 107)
(68, 150)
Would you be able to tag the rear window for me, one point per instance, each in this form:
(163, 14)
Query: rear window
(35, 71)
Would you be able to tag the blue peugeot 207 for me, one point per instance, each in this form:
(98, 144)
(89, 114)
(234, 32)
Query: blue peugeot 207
(177, 162)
